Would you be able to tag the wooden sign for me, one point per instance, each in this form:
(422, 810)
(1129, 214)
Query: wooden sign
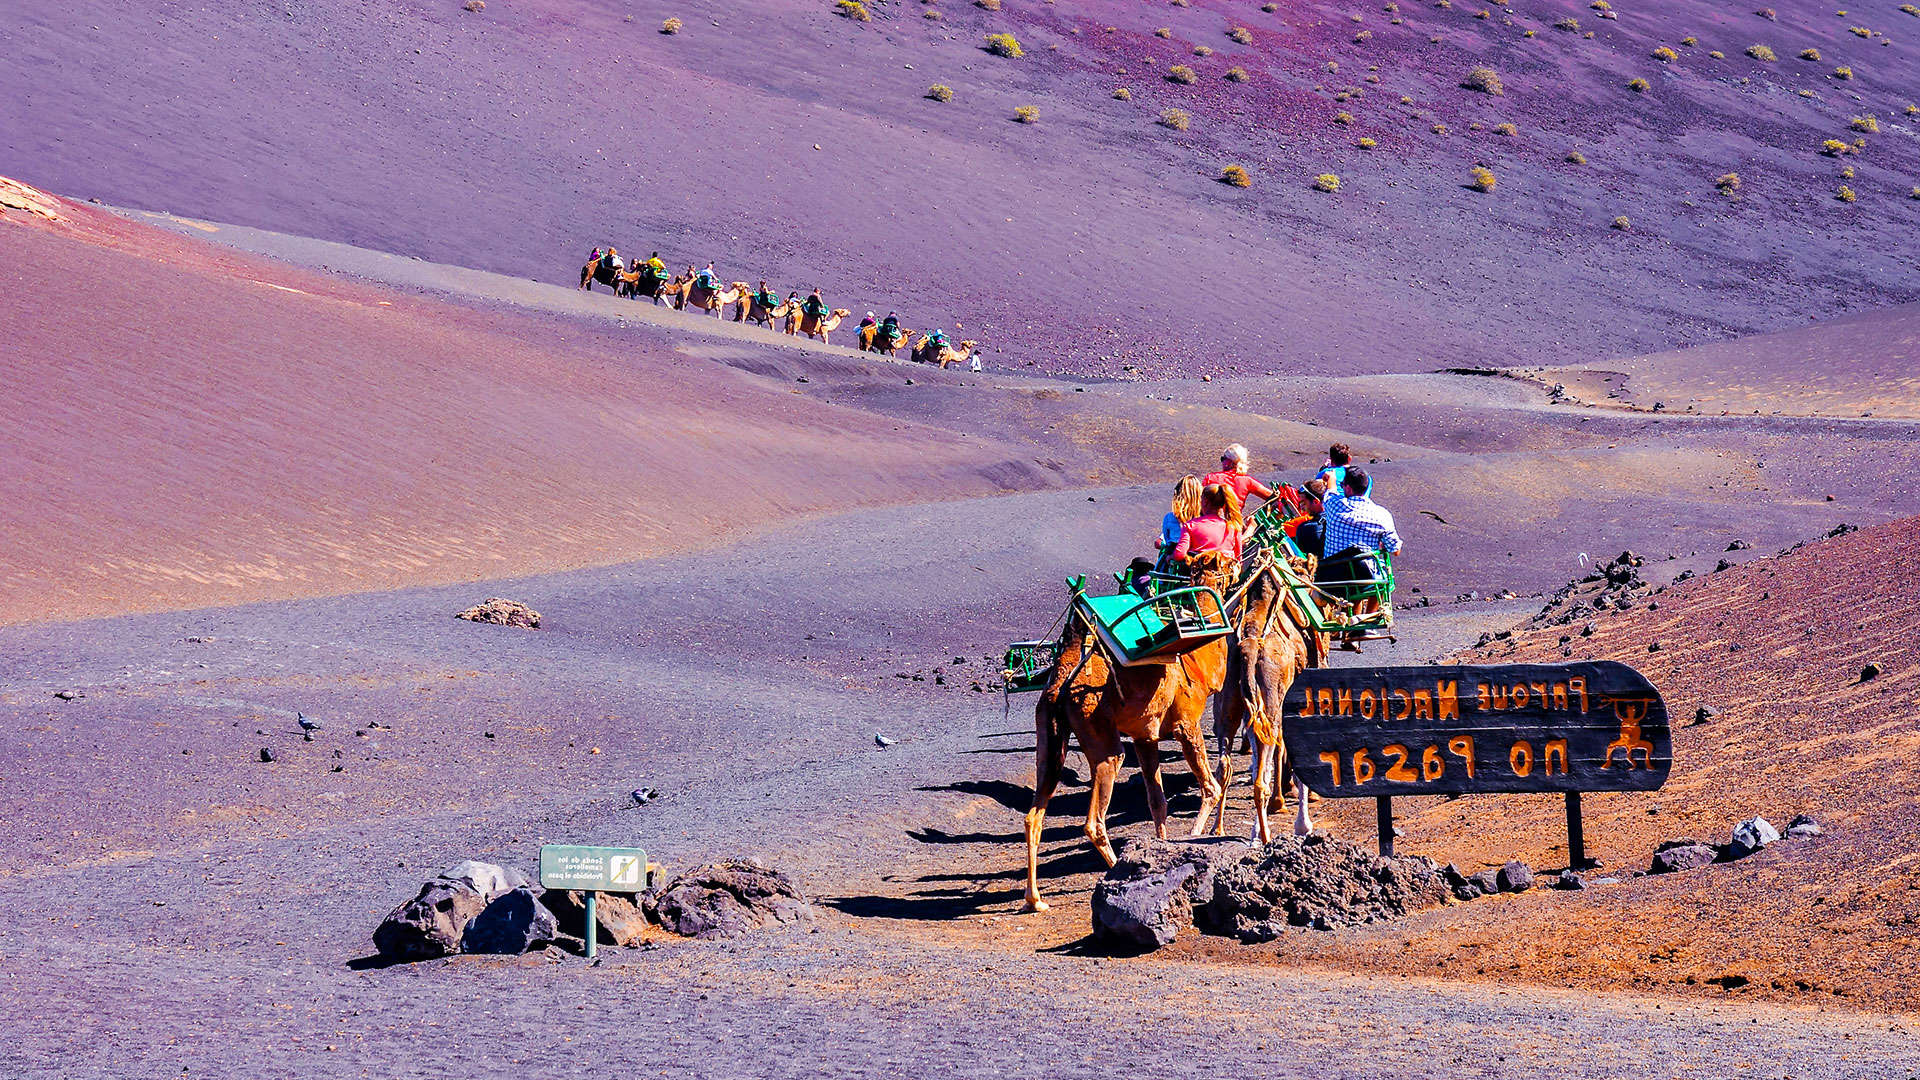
(1591, 726)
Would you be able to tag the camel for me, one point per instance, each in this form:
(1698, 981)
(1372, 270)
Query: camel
(821, 325)
(754, 310)
(1272, 645)
(640, 281)
(871, 341)
(946, 355)
(601, 270)
(1100, 703)
(701, 298)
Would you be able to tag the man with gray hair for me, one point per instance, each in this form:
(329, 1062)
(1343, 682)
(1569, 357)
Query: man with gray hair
(1233, 475)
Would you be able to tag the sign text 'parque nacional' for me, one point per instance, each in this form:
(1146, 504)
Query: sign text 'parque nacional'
(1590, 726)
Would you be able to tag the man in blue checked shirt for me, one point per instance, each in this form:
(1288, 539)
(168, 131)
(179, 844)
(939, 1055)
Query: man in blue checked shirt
(1351, 519)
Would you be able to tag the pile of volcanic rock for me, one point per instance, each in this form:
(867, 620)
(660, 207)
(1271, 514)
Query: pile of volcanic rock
(1234, 888)
(478, 907)
(502, 612)
(1616, 585)
(1750, 836)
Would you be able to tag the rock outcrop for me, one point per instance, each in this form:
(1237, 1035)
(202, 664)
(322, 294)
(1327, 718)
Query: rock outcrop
(727, 899)
(620, 918)
(515, 922)
(1149, 895)
(502, 612)
(434, 923)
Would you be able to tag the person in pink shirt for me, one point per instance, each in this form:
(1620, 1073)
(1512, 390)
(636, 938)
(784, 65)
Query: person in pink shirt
(1216, 529)
(1233, 474)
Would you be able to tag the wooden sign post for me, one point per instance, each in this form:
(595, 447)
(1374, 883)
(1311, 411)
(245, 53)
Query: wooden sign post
(1380, 732)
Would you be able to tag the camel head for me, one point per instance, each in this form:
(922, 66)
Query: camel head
(1214, 569)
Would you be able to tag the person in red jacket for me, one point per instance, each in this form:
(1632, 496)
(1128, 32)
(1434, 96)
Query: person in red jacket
(1234, 476)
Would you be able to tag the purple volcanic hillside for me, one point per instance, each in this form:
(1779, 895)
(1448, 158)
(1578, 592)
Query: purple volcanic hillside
(516, 138)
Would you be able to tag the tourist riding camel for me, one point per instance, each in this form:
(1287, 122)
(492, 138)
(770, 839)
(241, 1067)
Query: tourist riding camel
(1217, 529)
(1233, 474)
(1185, 507)
(603, 267)
(816, 319)
(1355, 530)
(1339, 456)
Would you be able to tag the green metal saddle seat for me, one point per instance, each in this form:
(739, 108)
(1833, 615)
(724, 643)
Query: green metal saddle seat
(1148, 630)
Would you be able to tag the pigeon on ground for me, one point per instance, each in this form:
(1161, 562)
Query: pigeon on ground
(307, 723)
(645, 795)
(1436, 517)
(881, 740)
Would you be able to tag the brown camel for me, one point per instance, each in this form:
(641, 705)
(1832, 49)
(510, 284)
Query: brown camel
(756, 311)
(1272, 645)
(602, 271)
(1101, 703)
(821, 325)
(701, 298)
(925, 352)
(871, 341)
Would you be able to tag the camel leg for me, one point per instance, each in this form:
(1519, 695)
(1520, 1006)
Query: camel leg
(1049, 754)
(1262, 789)
(1213, 795)
(1147, 752)
(1302, 821)
(1103, 754)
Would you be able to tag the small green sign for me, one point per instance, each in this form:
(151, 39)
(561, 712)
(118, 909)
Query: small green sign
(593, 869)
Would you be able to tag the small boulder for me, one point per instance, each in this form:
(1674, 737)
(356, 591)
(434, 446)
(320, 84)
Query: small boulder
(1461, 885)
(1750, 836)
(727, 899)
(1487, 881)
(502, 612)
(1569, 880)
(1515, 877)
(1704, 713)
(620, 919)
(1803, 826)
(514, 923)
(1675, 856)
(1149, 895)
(1870, 672)
(434, 923)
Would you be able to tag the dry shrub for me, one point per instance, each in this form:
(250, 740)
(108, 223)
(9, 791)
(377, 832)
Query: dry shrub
(475, 5)
(940, 92)
(933, 15)
(1911, 10)
(1601, 5)
(1717, 55)
(1182, 74)
(1761, 53)
(1915, 193)
(1575, 157)
(1860, 31)
(1484, 79)
(1235, 175)
(671, 26)
(1913, 110)
(1809, 54)
(1241, 34)
(1689, 42)
(1482, 179)
(1203, 50)
(1845, 194)
(1528, 34)
(1326, 181)
(987, 5)
(1343, 118)
(1846, 173)
(1164, 32)
(1568, 23)
(1027, 114)
(1366, 143)
(1767, 14)
(1483, 13)
(1622, 223)
(1868, 124)
(1177, 119)
(1005, 45)
(1843, 72)
(1506, 129)
(1333, 67)
(1123, 94)
(1237, 75)
(1439, 129)
(1638, 85)
(1807, 93)
(1665, 55)
(1363, 37)
(1269, 8)
(1405, 100)
(1834, 148)
(1728, 183)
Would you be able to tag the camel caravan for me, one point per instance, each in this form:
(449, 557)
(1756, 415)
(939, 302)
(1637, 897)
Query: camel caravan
(809, 316)
(1231, 611)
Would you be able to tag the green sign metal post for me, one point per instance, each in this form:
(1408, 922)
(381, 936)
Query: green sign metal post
(593, 870)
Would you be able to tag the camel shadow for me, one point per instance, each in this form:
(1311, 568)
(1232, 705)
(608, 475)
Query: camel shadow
(944, 897)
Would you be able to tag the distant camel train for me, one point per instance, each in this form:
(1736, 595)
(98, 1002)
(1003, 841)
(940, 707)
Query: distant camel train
(687, 290)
